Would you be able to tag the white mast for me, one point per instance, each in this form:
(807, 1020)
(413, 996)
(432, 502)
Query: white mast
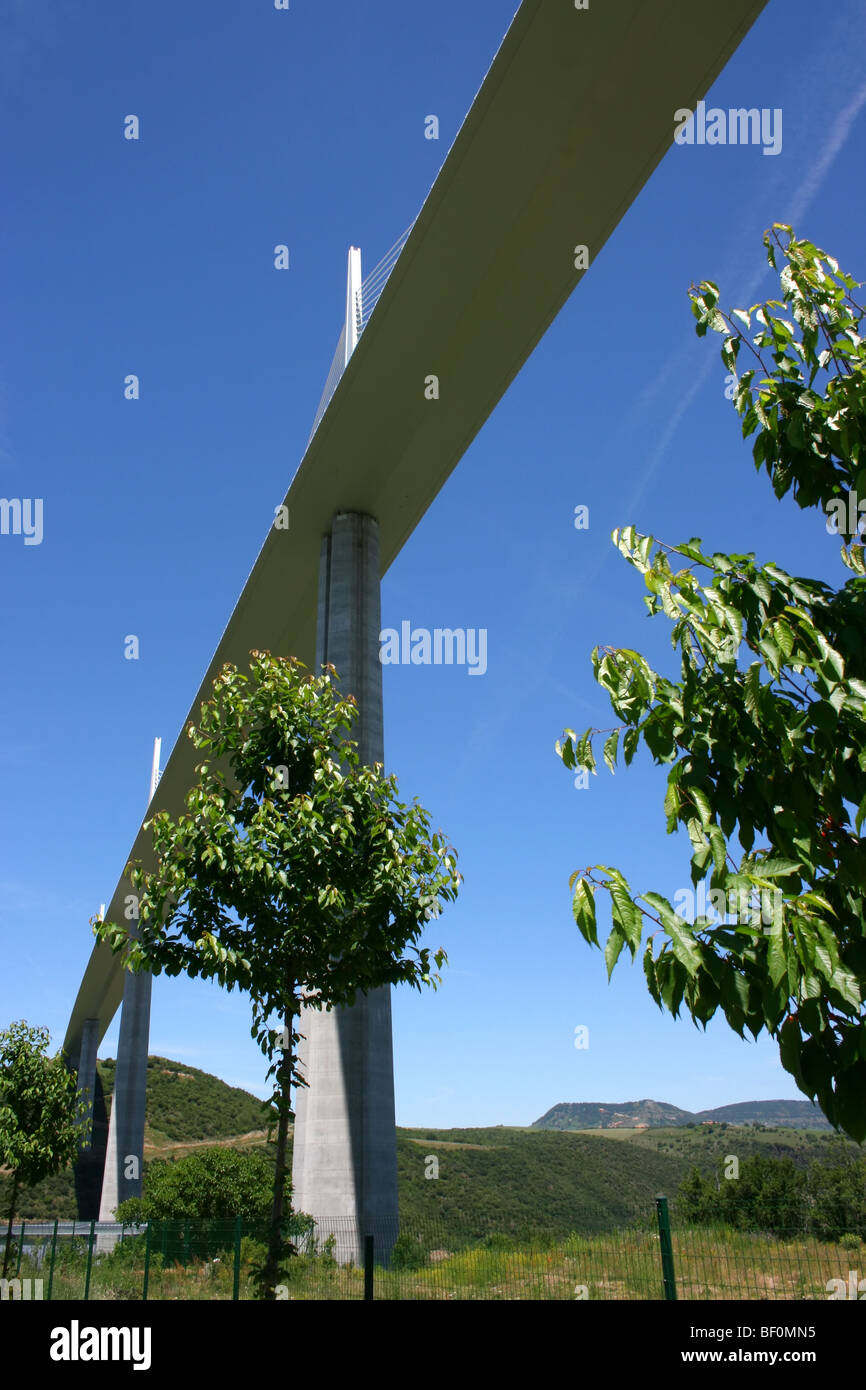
(353, 302)
(155, 772)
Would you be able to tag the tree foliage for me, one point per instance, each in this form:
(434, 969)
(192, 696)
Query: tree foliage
(764, 731)
(827, 1200)
(216, 1182)
(295, 866)
(193, 1203)
(295, 874)
(40, 1112)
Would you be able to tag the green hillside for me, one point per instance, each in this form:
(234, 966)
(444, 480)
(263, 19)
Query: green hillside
(800, 1113)
(524, 1181)
(184, 1103)
(183, 1106)
(614, 1115)
(628, 1114)
(537, 1179)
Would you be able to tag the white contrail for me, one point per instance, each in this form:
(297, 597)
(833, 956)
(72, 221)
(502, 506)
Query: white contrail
(800, 203)
(808, 189)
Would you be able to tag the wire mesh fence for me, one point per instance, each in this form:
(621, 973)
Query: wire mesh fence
(652, 1254)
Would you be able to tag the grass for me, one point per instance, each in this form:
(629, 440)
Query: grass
(622, 1266)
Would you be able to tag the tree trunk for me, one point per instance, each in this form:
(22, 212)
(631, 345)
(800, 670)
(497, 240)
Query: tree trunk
(275, 1240)
(13, 1200)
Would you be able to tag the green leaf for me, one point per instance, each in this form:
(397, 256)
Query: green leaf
(773, 868)
(610, 747)
(777, 962)
(626, 915)
(683, 944)
(719, 848)
(583, 905)
(650, 973)
(850, 1090)
(613, 947)
(630, 743)
(702, 802)
(752, 689)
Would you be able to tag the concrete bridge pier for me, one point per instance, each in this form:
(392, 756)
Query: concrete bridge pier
(124, 1156)
(86, 1077)
(90, 1164)
(344, 1169)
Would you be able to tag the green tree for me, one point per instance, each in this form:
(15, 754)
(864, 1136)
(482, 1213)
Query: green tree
(216, 1182)
(40, 1112)
(296, 874)
(768, 1194)
(195, 1201)
(765, 728)
(698, 1201)
(837, 1196)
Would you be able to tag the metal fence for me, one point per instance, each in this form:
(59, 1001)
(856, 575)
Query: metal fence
(648, 1257)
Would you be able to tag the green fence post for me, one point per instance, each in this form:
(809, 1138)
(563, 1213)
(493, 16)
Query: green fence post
(53, 1253)
(20, 1250)
(668, 1275)
(146, 1265)
(368, 1269)
(236, 1287)
(89, 1262)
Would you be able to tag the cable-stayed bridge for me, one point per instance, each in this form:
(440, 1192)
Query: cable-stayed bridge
(572, 118)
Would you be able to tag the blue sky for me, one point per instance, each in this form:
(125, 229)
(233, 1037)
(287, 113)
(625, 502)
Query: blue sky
(155, 257)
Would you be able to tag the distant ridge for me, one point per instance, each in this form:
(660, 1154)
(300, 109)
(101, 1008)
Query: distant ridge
(655, 1114)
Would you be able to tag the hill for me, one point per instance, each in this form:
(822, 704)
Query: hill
(654, 1114)
(801, 1114)
(525, 1181)
(185, 1108)
(544, 1178)
(627, 1114)
(185, 1104)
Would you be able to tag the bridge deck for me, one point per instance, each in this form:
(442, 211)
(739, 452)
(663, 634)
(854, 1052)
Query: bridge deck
(573, 116)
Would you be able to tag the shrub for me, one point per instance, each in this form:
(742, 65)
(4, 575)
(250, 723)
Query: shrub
(409, 1252)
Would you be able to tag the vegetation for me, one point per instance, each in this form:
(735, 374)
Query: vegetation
(775, 1195)
(799, 1114)
(506, 1178)
(709, 1264)
(523, 1183)
(765, 728)
(40, 1113)
(214, 1183)
(295, 873)
(185, 1103)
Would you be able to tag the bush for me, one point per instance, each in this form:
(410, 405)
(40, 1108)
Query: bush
(219, 1183)
(774, 1195)
(409, 1252)
(497, 1240)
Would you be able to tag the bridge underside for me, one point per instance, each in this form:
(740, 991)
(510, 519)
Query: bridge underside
(573, 116)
